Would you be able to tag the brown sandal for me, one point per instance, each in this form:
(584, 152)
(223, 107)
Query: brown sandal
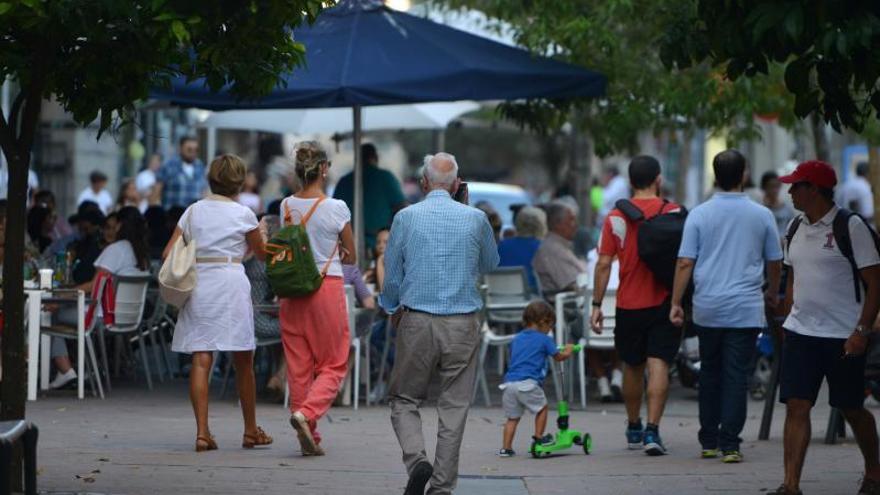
(260, 438)
(205, 443)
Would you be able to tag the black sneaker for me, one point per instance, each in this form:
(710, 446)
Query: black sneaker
(419, 478)
(506, 453)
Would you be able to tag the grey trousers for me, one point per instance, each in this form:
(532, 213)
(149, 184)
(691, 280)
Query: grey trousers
(427, 345)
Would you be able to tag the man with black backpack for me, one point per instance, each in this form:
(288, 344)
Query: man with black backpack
(833, 292)
(643, 335)
(728, 243)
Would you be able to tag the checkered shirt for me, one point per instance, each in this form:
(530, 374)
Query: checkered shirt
(436, 252)
(177, 188)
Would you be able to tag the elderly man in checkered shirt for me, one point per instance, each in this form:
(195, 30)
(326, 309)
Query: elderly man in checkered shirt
(437, 250)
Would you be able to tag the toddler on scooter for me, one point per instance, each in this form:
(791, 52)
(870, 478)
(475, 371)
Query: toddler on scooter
(524, 381)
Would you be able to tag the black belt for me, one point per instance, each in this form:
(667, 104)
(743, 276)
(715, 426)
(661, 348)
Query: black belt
(407, 309)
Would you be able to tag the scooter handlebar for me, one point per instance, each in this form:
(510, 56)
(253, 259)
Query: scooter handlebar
(574, 348)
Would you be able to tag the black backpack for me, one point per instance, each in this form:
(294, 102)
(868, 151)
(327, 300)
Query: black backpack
(840, 228)
(659, 238)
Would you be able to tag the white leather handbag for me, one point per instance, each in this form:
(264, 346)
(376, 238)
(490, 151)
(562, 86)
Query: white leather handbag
(177, 277)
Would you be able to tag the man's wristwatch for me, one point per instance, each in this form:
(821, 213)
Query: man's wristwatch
(596, 304)
(864, 331)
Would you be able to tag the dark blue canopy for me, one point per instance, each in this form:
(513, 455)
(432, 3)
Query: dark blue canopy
(361, 53)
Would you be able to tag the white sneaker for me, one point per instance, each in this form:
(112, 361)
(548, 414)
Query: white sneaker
(605, 390)
(62, 379)
(617, 378)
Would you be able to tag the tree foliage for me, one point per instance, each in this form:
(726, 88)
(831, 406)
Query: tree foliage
(97, 58)
(622, 39)
(830, 49)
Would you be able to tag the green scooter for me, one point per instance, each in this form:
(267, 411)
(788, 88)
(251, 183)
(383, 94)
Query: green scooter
(564, 438)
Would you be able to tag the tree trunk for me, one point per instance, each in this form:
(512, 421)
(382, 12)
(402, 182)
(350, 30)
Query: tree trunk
(684, 166)
(820, 140)
(13, 390)
(874, 177)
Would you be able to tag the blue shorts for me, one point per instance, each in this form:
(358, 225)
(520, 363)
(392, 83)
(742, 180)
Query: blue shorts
(807, 360)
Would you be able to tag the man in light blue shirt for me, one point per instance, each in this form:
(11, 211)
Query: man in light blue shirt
(728, 244)
(436, 252)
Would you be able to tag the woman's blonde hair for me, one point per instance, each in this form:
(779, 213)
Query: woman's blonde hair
(308, 157)
(226, 175)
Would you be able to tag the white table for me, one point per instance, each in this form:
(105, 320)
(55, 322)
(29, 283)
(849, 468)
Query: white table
(39, 345)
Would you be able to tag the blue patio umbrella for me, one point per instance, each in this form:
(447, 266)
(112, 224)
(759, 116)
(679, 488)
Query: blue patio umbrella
(361, 53)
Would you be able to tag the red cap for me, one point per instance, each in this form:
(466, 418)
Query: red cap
(815, 172)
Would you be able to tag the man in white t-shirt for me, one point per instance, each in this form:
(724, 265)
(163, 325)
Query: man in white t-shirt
(831, 317)
(856, 195)
(96, 192)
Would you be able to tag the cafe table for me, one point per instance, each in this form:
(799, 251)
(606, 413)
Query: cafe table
(39, 345)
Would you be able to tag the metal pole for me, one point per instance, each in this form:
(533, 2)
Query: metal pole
(358, 188)
(211, 143)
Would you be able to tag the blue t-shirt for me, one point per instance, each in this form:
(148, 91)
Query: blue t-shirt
(731, 238)
(519, 251)
(528, 356)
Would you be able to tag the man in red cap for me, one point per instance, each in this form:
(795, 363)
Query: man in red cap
(833, 293)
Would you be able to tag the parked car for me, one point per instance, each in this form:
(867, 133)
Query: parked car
(501, 197)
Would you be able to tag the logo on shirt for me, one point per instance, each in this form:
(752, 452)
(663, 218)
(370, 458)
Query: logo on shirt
(829, 241)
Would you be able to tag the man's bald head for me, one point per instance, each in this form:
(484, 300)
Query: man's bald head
(440, 171)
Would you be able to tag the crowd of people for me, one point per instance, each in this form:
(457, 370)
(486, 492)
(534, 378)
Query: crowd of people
(425, 262)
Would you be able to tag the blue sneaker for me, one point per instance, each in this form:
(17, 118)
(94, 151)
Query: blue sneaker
(653, 443)
(634, 437)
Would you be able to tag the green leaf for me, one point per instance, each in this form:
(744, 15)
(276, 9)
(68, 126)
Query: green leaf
(5, 7)
(179, 31)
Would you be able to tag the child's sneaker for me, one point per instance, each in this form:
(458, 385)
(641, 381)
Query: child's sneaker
(506, 453)
(634, 436)
(653, 443)
(545, 440)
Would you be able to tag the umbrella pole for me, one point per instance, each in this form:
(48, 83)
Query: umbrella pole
(358, 188)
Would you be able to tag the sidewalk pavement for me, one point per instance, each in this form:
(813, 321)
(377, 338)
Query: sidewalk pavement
(140, 442)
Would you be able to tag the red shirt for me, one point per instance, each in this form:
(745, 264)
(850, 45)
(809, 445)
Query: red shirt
(638, 288)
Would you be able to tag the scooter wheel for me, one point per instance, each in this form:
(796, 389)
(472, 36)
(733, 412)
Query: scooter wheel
(587, 443)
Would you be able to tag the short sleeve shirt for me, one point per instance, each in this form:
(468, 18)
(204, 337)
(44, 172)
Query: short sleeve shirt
(324, 227)
(731, 238)
(119, 259)
(638, 289)
(528, 356)
(824, 300)
(382, 193)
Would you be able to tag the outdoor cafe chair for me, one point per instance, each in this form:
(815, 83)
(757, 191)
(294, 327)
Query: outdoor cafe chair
(131, 298)
(603, 342)
(69, 332)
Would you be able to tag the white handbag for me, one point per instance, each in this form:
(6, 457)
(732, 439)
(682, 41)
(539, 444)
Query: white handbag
(177, 277)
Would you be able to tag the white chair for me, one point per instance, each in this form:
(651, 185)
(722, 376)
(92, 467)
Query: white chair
(356, 346)
(603, 342)
(561, 301)
(507, 294)
(131, 298)
(70, 333)
(489, 339)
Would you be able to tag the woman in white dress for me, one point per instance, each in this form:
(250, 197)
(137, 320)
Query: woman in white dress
(219, 314)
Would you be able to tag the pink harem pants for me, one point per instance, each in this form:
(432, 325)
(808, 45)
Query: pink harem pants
(315, 335)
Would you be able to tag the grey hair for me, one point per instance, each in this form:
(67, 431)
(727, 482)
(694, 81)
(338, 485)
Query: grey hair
(556, 212)
(531, 222)
(435, 177)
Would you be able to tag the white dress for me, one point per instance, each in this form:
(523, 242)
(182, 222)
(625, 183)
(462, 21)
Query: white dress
(219, 315)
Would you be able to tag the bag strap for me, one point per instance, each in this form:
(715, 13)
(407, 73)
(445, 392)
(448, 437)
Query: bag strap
(308, 215)
(329, 260)
(840, 228)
